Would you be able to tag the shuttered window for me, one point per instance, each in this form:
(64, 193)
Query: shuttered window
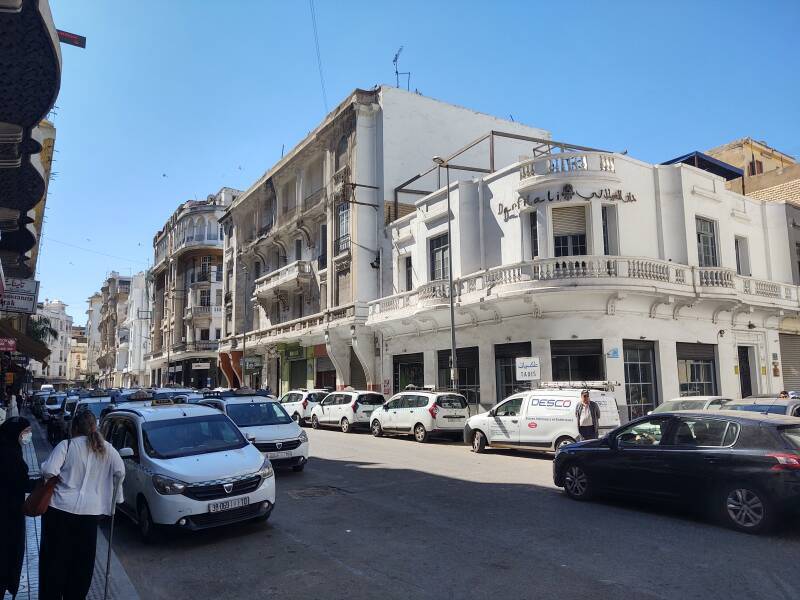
(344, 292)
(569, 220)
(790, 361)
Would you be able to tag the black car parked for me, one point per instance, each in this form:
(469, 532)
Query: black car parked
(744, 467)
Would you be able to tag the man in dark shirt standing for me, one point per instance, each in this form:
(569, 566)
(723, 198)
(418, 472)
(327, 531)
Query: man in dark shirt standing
(587, 413)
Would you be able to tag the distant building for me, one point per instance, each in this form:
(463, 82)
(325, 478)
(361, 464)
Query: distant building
(137, 325)
(54, 369)
(93, 341)
(113, 313)
(186, 294)
(77, 362)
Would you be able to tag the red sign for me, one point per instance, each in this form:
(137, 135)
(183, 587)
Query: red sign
(73, 39)
(532, 425)
(8, 345)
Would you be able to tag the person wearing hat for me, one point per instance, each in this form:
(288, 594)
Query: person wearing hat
(14, 484)
(587, 413)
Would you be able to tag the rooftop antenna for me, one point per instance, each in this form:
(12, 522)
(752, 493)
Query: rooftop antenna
(398, 73)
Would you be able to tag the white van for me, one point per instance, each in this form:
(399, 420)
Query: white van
(541, 420)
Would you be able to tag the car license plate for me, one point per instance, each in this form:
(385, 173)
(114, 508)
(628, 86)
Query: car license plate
(367, 412)
(228, 504)
(454, 416)
(279, 454)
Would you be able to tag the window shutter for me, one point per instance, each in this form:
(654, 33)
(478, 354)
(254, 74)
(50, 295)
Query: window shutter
(569, 220)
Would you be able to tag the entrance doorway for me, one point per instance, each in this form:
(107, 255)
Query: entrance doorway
(505, 364)
(409, 369)
(745, 371)
(297, 374)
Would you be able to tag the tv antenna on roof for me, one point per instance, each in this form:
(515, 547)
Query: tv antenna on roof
(398, 73)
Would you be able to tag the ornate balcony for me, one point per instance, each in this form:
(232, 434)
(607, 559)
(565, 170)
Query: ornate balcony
(289, 277)
(199, 312)
(567, 164)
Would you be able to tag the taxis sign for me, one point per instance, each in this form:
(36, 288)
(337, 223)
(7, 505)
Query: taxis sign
(528, 368)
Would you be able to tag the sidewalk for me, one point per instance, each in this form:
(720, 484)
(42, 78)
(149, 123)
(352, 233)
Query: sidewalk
(120, 587)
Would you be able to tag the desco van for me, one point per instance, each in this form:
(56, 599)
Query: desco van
(541, 419)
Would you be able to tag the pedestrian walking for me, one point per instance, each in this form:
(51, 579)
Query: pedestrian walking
(86, 466)
(587, 414)
(14, 484)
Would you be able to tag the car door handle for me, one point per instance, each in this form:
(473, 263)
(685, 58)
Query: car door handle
(514, 421)
(712, 459)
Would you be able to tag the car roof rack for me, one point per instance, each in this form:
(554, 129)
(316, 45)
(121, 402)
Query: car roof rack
(605, 386)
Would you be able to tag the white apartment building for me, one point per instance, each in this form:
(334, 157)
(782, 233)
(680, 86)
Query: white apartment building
(306, 248)
(93, 341)
(186, 294)
(54, 370)
(135, 338)
(601, 266)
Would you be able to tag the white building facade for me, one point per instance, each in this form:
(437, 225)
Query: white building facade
(601, 266)
(55, 371)
(306, 248)
(136, 328)
(93, 337)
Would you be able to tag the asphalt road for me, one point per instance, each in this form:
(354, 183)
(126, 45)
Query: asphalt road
(390, 518)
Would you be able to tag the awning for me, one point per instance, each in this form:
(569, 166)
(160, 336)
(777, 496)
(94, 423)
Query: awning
(25, 344)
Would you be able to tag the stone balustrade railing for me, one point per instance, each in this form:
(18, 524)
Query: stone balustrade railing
(567, 162)
(290, 272)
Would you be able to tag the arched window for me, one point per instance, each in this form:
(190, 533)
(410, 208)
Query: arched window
(340, 157)
(212, 230)
(199, 229)
(189, 231)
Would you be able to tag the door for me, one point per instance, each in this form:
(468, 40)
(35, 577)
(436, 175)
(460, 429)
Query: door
(325, 407)
(745, 379)
(407, 411)
(388, 413)
(637, 463)
(297, 374)
(123, 435)
(504, 424)
(543, 416)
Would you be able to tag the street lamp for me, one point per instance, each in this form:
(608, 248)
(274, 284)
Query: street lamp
(453, 360)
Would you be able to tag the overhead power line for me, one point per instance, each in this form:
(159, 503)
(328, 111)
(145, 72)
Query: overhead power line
(50, 239)
(319, 57)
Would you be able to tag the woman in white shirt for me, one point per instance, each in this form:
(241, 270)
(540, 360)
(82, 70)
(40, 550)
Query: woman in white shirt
(86, 466)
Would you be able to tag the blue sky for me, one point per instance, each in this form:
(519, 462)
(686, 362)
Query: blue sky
(173, 99)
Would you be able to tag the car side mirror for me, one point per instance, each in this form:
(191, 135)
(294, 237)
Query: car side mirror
(492, 413)
(126, 453)
(250, 438)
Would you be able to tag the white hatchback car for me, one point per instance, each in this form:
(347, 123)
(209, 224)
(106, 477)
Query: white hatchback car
(188, 466)
(300, 403)
(346, 409)
(264, 421)
(421, 413)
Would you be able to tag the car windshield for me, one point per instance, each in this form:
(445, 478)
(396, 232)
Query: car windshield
(95, 407)
(773, 409)
(316, 396)
(190, 436)
(671, 405)
(256, 414)
(70, 405)
(54, 400)
(452, 401)
(792, 435)
(371, 399)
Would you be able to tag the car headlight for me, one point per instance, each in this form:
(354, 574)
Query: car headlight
(303, 437)
(167, 486)
(266, 469)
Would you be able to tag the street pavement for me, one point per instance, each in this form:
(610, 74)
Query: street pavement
(390, 518)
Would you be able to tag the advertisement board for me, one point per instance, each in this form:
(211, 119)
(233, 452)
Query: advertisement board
(20, 296)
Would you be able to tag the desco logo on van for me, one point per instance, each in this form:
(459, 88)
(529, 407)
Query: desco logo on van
(555, 402)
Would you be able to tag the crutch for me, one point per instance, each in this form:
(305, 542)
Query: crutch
(117, 480)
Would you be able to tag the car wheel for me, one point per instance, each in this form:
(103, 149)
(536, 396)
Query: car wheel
(296, 418)
(478, 442)
(746, 508)
(345, 425)
(147, 529)
(563, 441)
(314, 422)
(420, 433)
(298, 468)
(576, 482)
(376, 428)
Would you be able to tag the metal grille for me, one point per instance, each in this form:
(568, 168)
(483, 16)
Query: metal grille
(215, 491)
(273, 446)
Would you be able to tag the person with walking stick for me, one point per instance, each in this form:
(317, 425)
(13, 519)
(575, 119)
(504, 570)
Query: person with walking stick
(90, 473)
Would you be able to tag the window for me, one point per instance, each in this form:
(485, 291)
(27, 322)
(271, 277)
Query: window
(706, 243)
(696, 377)
(609, 214)
(510, 408)
(705, 432)
(257, 269)
(640, 377)
(205, 297)
(755, 167)
(204, 335)
(298, 249)
(340, 158)
(644, 433)
(742, 256)
(440, 257)
(218, 298)
(298, 306)
(569, 231)
(409, 273)
(577, 360)
(534, 235)
(344, 292)
(217, 333)
(342, 243)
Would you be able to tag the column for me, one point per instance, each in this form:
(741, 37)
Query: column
(430, 368)
(487, 375)
(667, 359)
(596, 223)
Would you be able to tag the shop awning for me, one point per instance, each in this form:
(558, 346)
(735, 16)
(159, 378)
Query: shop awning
(25, 344)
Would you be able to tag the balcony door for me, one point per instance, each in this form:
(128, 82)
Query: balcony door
(569, 231)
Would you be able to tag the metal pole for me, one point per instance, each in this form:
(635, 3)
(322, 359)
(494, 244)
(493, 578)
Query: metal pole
(453, 359)
(244, 329)
(117, 479)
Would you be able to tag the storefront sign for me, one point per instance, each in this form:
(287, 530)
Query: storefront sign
(20, 296)
(528, 368)
(201, 366)
(8, 345)
(177, 369)
(295, 353)
(566, 194)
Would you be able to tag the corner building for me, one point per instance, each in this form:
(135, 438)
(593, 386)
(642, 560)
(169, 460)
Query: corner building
(602, 266)
(306, 248)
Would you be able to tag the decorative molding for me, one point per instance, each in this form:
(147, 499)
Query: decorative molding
(667, 300)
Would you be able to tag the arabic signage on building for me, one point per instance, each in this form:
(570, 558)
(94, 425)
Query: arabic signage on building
(528, 368)
(20, 296)
(567, 193)
(201, 366)
(8, 345)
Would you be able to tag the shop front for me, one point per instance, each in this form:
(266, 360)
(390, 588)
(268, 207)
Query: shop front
(324, 369)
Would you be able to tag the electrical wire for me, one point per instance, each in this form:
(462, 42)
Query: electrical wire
(319, 57)
(143, 262)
